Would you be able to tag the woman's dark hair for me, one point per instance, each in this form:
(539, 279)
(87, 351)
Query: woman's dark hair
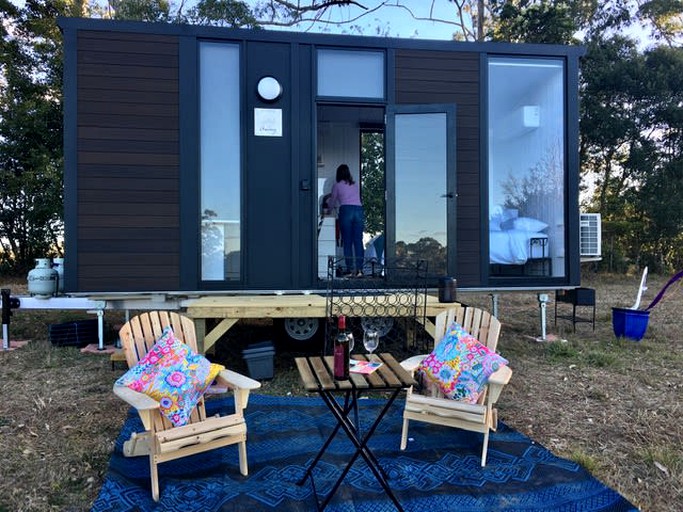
(344, 174)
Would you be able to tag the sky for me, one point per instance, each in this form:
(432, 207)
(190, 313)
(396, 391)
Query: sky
(397, 19)
(394, 17)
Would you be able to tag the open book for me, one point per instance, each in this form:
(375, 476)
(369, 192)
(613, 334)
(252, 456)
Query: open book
(365, 367)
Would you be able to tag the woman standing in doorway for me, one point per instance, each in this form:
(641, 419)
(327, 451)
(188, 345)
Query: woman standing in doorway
(346, 195)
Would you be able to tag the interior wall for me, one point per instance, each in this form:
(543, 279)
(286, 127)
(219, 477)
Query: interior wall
(338, 143)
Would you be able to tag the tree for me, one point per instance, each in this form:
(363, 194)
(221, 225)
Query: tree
(631, 139)
(372, 172)
(139, 10)
(223, 13)
(31, 132)
(665, 18)
(659, 157)
(529, 21)
(230, 13)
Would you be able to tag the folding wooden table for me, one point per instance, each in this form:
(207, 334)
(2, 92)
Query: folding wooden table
(317, 375)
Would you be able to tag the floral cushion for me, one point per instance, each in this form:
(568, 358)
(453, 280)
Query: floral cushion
(174, 375)
(459, 366)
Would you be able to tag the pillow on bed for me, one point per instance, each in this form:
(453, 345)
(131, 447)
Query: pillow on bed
(510, 213)
(174, 375)
(529, 224)
(459, 365)
(501, 219)
(507, 225)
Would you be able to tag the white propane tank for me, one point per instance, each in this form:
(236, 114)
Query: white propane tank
(58, 265)
(42, 280)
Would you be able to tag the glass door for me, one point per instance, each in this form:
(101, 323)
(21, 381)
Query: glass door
(421, 193)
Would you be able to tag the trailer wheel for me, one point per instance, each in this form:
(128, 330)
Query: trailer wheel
(300, 332)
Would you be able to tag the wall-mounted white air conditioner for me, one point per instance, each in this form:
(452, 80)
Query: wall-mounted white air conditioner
(590, 235)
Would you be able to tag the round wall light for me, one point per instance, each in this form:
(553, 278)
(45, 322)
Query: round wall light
(269, 89)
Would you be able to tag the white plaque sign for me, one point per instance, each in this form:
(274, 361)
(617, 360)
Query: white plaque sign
(268, 122)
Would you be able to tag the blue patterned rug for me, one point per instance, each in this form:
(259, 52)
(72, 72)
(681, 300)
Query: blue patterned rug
(439, 471)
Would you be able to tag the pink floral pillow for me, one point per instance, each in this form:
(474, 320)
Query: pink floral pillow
(174, 375)
(459, 365)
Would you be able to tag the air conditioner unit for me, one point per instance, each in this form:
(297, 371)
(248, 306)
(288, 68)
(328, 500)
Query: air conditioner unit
(590, 233)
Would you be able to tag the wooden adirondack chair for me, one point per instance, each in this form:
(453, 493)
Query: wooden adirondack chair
(161, 440)
(440, 410)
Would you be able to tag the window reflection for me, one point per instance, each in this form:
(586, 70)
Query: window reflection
(339, 72)
(421, 164)
(526, 167)
(219, 113)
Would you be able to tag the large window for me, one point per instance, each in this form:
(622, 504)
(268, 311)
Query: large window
(351, 74)
(526, 167)
(219, 110)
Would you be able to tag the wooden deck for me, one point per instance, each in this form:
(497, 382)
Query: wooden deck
(230, 309)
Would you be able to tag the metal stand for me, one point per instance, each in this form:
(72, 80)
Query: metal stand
(543, 300)
(66, 303)
(379, 302)
(577, 297)
(100, 328)
(8, 303)
(359, 440)
(494, 304)
(6, 313)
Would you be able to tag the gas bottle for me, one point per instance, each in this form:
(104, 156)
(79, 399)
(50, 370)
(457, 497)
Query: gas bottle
(58, 265)
(42, 280)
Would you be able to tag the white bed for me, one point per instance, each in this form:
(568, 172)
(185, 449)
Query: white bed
(515, 247)
(515, 240)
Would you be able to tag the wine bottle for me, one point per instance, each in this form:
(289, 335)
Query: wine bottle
(341, 351)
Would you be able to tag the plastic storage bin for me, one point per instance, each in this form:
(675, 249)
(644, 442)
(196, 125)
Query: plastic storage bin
(259, 358)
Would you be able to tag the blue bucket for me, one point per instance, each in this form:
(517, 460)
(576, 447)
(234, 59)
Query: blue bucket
(629, 323)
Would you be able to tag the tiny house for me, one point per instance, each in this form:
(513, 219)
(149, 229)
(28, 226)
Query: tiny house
(198, 159)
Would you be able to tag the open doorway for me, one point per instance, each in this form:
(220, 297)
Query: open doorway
(351, 135)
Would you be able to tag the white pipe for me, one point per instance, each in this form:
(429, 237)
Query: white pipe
(641, 289)
(543, 304)
(100, 329)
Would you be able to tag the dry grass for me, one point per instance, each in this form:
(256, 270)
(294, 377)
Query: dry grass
(611, 405)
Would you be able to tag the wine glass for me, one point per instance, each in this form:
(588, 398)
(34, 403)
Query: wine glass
(370, 340)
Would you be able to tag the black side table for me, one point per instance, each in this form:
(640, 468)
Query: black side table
(317, 375)
(576, 297)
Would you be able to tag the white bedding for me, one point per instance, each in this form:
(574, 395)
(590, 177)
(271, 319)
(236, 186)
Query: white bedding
(512, 247)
